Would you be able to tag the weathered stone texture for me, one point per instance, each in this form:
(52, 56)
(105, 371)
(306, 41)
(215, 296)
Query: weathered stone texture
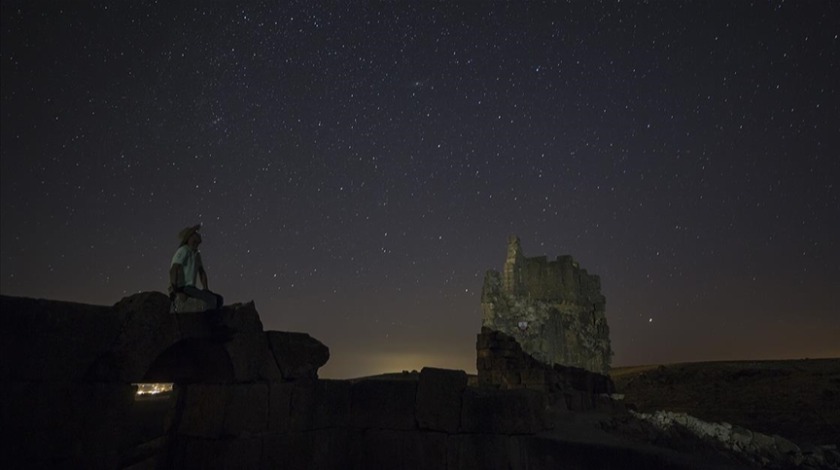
(147, 331)
(439, 394)
(485, 452)
(247, 409)
(502, 363)
(494, 411)
(251, 358)
(408, 450)
(243, 397)
(63, 424)
(386, 404)
(321, 449)
(316, 404)
(298, 355)
(554, 309)
(203, 413)
(211, 454)
(67, 399)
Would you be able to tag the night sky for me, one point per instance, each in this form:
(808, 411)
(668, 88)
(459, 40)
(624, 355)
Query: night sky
(358, 166)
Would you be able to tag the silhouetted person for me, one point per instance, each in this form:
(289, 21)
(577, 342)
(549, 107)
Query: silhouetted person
(187, 267)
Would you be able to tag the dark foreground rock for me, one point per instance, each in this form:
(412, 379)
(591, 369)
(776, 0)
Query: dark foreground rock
(247, 398)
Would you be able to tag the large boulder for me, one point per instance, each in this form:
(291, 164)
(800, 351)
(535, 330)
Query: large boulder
(298, 355)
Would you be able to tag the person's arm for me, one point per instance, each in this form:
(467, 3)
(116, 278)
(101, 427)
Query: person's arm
(176, 273)
(202, 274)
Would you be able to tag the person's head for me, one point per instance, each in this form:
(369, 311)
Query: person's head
(190, 236)
(194, 241)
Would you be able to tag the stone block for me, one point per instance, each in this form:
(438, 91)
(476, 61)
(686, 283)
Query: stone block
(203, 410)
(322, 449)
(302, 405)
(332, 404)
(242, 318)
(247, 409)
(298, 355)
(484, 452)
(191, 360)
(533, 377)
(439, 394)
(393, 449)
(517, 411)
(578, 401)
(251, 358)
(211, 454)
(194, 324)
(184, 304)
(147, 331)
(63, 424)
(279, 413)
(317, 404)
(388, 404)
(557, 402)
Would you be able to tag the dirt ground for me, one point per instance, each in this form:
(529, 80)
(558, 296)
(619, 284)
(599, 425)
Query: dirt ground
(798, 400)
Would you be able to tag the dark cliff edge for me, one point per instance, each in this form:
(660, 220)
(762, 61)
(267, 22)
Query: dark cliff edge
(243, 397)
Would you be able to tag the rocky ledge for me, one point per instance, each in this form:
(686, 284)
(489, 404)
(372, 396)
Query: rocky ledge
(243, 397)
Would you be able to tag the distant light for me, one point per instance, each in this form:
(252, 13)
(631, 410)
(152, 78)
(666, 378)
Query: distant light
(153, 388)
(650, 320)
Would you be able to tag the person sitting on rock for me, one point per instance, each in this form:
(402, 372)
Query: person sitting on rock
(185, 268)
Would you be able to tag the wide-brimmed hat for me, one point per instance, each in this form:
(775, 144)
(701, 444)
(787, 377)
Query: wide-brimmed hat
(185, 234)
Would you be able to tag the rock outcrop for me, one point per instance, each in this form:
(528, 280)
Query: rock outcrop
(501, 363)
(69, 373)
(554, 310)
(242, 397)
(247, 398)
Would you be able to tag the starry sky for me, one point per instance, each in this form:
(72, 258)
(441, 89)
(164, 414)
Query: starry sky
(358, 166)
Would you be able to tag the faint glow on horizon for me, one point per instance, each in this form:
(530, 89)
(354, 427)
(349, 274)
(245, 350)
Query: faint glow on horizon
(153, 388)
(355, 366)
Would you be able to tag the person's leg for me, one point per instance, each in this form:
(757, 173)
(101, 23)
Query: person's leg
(211, 300)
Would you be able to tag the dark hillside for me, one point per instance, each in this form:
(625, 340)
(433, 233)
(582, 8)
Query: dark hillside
(798, 400)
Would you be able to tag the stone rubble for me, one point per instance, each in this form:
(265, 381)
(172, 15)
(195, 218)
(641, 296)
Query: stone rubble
(758, 449)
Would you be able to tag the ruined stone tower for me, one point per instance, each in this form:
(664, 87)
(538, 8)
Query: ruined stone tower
(554, 309)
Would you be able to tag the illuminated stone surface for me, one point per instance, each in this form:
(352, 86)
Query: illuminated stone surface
(554, 309)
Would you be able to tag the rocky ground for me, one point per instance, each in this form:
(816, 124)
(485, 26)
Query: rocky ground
(799, 399)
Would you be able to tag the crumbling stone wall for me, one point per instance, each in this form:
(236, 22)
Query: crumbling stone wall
(501, 363)
(554, 309)
(248, 398)
(424, 421)
(67, 397)
(243, 398)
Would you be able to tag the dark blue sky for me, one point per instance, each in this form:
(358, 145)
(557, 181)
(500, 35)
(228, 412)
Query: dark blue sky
(359, 166)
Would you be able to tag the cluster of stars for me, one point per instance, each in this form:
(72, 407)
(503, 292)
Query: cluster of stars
(358, 167)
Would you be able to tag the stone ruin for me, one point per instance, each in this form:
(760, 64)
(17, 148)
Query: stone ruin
(553, 309)
(243, 397)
